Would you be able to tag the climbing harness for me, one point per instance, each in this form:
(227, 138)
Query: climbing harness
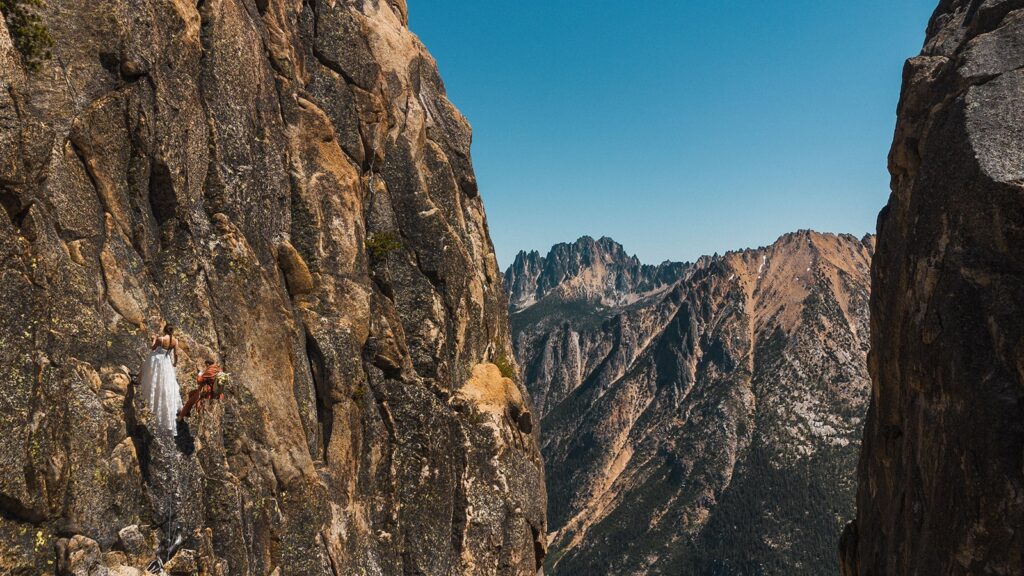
(371, 194)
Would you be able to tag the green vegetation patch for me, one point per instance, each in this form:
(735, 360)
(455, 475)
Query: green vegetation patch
(582, 314)
(359, 393)
(379, 245)
(505, 367)
(28, 33)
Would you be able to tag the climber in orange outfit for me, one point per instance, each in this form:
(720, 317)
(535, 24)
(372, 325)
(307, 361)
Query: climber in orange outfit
(204, 389)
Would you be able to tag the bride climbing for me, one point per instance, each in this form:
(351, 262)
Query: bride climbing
(159, 384)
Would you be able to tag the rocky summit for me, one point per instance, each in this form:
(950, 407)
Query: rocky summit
(942, 470)
(286, 182)
(698, 418)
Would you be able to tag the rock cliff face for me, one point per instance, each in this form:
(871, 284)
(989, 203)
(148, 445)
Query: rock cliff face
(697, 418)
(942, 470)
(287, 183)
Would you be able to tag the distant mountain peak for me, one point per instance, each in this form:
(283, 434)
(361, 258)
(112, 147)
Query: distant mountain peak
(600, 270)
(603, 271)
(713, 405)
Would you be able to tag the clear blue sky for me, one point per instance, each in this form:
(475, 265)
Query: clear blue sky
(677, 127)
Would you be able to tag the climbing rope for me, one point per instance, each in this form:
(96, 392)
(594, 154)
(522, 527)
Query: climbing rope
(370, 192)
(172, 513)
(172, 538)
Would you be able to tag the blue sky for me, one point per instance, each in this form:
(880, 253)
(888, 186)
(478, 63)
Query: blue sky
(679, 128)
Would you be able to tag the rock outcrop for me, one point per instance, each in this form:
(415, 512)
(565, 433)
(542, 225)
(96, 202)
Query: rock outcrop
(942, 469)
(287, 183)
(697, 418)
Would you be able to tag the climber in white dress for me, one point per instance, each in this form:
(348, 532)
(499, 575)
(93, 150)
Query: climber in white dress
(159, 383)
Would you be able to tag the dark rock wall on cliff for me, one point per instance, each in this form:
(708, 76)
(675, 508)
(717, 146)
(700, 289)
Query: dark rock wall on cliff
(287, 183)
(702, 418)
(942, 470)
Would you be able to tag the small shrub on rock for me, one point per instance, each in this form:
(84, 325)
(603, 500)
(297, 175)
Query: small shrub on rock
(28, 33)
(379, 245)
(505, 367)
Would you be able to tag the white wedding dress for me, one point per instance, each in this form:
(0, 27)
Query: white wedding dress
(159, 389)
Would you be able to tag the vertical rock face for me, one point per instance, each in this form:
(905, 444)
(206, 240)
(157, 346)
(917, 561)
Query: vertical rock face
(697, 418)
(942, 469)
(286, 182)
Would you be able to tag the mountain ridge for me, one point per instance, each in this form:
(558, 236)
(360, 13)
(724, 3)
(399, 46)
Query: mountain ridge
(563, 260)
(695, 382)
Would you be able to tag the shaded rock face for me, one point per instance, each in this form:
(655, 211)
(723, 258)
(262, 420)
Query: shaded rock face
(942, 469)
(287, 183)
(710, 423)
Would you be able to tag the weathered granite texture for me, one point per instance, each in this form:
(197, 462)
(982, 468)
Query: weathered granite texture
(942, 469)
(287, 183)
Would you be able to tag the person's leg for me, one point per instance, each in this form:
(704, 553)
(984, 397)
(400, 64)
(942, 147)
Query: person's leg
(204, 395)
(193, 398)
